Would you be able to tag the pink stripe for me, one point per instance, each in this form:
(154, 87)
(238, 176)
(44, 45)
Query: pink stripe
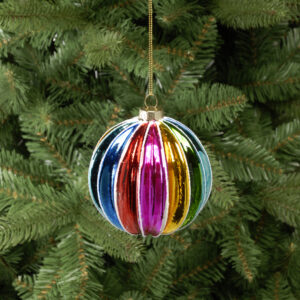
(153, 185)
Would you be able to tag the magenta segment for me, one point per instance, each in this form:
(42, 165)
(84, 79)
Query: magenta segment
(153, 183)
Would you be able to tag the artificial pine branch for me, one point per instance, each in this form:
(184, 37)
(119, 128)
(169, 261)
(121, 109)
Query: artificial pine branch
(228, 69)
(113, 241)
(240, 249)
(32, 224)
(24, 286)
(80, 268)
(288, 210)
(277, 287)
(32, 15)
(16, 164)
(251, 14)
(154, 271)
(209, 106)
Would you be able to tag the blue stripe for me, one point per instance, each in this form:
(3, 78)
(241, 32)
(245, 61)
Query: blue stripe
(107, 173)
(96, 160)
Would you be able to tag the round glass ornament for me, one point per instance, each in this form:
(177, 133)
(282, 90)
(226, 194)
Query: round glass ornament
(150, 175)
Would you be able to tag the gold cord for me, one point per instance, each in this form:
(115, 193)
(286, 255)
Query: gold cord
(150, 53)
(150, 57)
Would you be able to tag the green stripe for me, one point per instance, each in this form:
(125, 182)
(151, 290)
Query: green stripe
(194, 167)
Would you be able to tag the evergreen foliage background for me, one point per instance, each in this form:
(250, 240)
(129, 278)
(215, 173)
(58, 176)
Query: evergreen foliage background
(70, 69)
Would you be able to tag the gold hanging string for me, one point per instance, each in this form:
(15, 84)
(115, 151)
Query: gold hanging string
(150, 56)
(150, 52)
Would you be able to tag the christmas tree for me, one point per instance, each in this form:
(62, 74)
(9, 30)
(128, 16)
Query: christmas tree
(228, 69)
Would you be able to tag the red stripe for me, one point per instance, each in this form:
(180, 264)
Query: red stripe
(127, 182)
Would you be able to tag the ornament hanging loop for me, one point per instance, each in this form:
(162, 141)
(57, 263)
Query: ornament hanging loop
(148, 105)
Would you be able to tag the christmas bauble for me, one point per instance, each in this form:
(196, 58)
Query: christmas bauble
(150, 175)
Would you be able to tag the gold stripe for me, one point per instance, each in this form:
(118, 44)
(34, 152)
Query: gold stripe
(178, 178)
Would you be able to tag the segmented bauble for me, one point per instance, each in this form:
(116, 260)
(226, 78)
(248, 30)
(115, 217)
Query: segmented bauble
(150, 176)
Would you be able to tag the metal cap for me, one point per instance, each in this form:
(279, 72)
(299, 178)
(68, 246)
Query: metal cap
(150, 114)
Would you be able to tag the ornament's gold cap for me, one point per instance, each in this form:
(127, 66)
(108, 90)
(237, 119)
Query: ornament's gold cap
(150, 114)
